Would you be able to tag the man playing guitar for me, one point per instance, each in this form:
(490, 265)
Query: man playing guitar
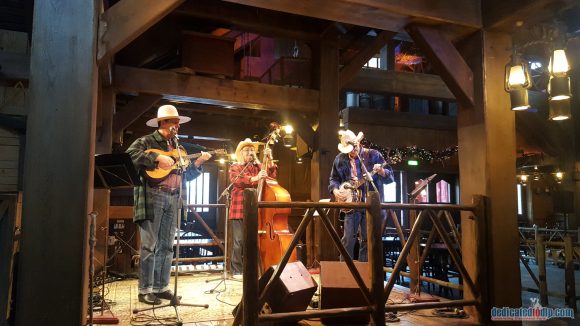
(156, 202)
(351, 167)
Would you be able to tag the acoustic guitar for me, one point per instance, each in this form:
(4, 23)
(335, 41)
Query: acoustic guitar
(158, 174)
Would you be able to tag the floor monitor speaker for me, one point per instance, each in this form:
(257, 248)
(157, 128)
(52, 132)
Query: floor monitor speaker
(293, 291)
(338, 289)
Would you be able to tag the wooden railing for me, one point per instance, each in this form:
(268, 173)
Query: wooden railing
(376, 297)
(541, 280)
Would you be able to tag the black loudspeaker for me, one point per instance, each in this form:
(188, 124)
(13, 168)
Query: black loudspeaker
(338, 289)
(293, 291)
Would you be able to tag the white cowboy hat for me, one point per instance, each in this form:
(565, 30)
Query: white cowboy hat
(347, 139)
(166, 112)
(245, 143)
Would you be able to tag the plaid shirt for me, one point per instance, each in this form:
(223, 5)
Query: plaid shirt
(243, 182)
(143, 204)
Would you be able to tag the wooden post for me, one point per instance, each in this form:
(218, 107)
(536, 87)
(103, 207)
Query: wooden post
(250, 295)
(375, 251)
(474, 256)
(326, 138)
(413, 257)
(58, 192)
(541, 259)
(484, 131)
(570, 281)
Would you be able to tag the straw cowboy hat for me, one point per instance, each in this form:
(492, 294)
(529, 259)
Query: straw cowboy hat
(166, 112)
(347, 139)
(245, 143)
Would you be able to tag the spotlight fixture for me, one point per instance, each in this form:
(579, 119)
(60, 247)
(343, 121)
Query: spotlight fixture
(288, 129)
(558, 176)
(524, 179)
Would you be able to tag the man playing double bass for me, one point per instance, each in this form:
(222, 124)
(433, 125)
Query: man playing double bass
(348, 168)
(246, 172)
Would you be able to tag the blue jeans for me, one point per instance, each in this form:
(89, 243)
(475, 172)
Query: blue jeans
(353, 222)
(157, 237)
(237, 227)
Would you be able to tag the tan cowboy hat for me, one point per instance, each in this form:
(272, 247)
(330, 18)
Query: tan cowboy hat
(347, 139)
(245, 143)
(166, 112)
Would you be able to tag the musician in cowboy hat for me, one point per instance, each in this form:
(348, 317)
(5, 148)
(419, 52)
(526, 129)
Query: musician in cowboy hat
(246, 172)
(156, 203)
(348, 169)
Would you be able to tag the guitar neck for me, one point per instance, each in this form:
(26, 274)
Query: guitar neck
(196, 155)
(362, 181)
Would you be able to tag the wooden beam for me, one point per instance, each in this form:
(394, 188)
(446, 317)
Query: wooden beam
(133, 110)
(377, 81)
(58, 192)
(333, 10)
(447, 61)
(392, 15)
(262, 21)
(348, 72)
(466, 13)
(126, 20)
(504, 15)
(198, 89)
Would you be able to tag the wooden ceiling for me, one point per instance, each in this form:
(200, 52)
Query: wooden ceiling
(139, 54)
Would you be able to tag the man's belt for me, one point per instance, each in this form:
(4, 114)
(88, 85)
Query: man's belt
(169, 190)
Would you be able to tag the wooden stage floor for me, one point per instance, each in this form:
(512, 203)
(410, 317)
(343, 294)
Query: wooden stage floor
(122, 298)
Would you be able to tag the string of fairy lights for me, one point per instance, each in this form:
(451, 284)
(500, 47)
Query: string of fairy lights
(396, 155)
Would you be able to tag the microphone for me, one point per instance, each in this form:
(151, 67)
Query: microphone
(173, 131)
(252, 157)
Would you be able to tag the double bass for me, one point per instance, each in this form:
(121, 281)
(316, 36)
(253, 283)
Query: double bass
(274, 234)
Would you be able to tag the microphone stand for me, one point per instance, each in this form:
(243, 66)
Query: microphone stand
(179, 208)
(226, 194)
(366, 174)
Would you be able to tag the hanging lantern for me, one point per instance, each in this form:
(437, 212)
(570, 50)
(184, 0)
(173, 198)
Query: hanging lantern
(558, 66)
(517, 82)
(559, 110)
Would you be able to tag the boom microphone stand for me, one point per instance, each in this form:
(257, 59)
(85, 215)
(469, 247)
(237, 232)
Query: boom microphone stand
(226, 194)
(179, 208)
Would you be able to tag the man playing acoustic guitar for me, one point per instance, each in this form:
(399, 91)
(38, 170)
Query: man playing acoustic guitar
(156, 202)
(347, 181)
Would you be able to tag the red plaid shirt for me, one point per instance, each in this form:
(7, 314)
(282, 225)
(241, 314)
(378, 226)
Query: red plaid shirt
(243, 182)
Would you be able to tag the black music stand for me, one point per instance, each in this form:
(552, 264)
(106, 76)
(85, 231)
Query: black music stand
(112, 171)
(419, 187)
